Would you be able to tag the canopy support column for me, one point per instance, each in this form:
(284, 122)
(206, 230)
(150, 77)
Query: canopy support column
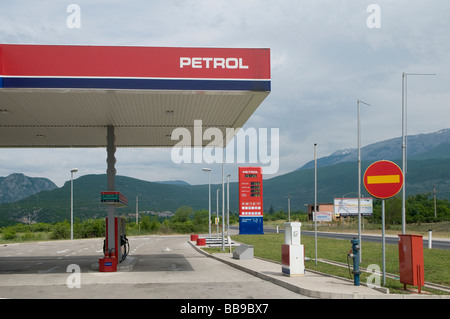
(111, 173)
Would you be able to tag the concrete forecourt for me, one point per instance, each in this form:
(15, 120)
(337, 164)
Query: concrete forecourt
(159, 267)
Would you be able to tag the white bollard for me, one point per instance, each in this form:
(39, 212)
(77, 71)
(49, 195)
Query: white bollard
(430, 238)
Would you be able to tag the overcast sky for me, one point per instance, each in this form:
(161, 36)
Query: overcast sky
(324, 56)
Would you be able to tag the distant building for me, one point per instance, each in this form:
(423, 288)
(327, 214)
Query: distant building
(324, 207)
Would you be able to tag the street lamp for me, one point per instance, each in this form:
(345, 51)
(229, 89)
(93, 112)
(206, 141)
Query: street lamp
(359, 176)
(404, 135)
(223, 209)
(315, 201)
(289, 208)
(228, 205)
(209, 197)
(217, 212)
(74, 170)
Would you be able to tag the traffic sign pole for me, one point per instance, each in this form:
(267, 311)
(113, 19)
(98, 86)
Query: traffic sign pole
(383, 241)
(383, 179)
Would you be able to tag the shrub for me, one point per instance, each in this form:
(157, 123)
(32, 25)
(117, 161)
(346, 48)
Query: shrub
(60, 231)
(9, 233)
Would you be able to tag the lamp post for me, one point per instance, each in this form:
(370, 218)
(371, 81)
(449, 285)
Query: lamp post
(217, 212)
(404, 136)
(223, 209)
(228, 205)
(359, 175)
(209, 197)
(74, 170)
(289, 208)
(315, 201)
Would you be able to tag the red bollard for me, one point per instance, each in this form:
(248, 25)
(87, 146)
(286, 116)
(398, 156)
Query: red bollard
(201, 241)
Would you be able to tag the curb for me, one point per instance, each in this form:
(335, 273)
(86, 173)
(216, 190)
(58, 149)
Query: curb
(286, 285)
(315, 293)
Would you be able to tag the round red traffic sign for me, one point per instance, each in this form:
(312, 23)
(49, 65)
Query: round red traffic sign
(383, 179)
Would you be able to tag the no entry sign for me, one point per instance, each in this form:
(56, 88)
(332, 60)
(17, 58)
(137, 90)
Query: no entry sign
(383, 179)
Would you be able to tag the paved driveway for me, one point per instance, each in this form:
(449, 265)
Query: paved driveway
(167, 267)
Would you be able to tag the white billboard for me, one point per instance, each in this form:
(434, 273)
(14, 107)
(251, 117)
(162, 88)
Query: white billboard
(322, 216)
(349, 207)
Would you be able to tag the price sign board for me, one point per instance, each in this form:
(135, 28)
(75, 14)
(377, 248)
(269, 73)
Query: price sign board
(250, 200)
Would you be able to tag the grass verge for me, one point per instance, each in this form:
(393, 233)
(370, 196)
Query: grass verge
(436, 261)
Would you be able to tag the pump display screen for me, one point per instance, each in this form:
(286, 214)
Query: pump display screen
(250, 191)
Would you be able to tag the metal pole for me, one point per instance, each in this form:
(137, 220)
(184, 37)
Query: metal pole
(137, 208)
(71, 201)
(404, 152)
(315, 200)
(404, 140)
(383, 241)
(209, 198)
(71, 204)
(434, 197)
(228, 205)
(359, 181)
(217, 213)
(223, 209)
(289, 208)
(209, 201)
(359, 176)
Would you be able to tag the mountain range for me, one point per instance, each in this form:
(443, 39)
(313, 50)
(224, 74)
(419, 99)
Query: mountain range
(17, 186)
(428, 166)
(436, 145)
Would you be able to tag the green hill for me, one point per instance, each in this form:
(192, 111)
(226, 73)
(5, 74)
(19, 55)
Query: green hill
(51, 206)
(333, 181)
(342, 179)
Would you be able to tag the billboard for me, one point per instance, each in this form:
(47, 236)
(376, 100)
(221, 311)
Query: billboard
(250, 200)
(349, 207)
(322, 216)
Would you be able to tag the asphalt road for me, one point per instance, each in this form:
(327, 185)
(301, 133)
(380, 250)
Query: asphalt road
(390, 240)
(168, 267)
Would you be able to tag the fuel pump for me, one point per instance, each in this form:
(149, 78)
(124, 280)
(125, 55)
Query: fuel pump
(354, 254)
(124, 246)
(121, 241)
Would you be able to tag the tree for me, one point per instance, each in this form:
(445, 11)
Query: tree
(150, 224)
(183, 214)
(201, 217)
(393, 209)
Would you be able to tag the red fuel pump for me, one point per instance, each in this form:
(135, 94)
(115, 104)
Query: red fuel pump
(115, 255)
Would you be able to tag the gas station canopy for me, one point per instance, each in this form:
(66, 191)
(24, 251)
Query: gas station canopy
(66, 96)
